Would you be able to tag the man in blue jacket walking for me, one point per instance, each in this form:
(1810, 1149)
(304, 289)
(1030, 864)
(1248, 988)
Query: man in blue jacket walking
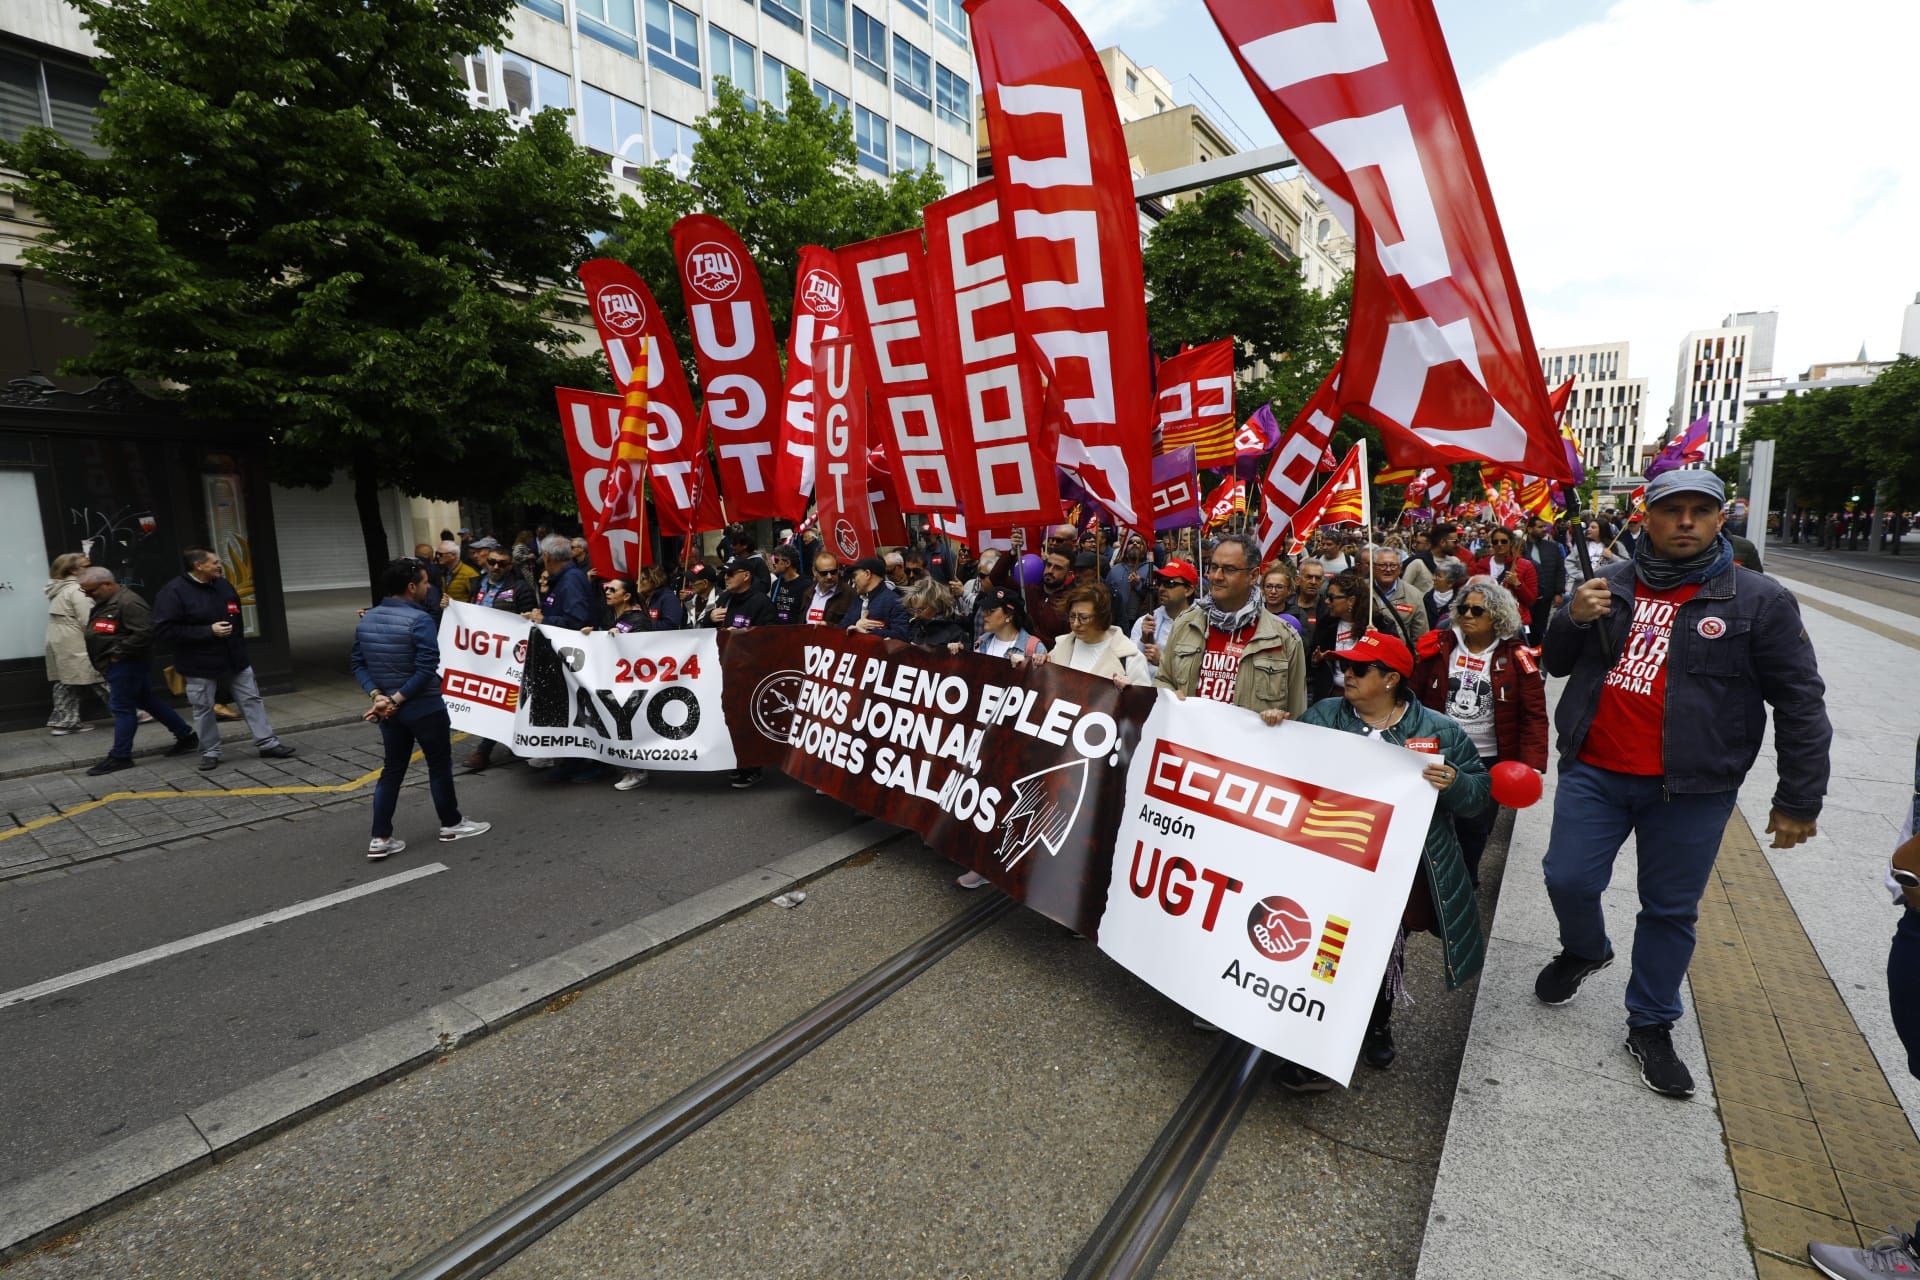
(876, 609)
(396, 659)
(1672, 657)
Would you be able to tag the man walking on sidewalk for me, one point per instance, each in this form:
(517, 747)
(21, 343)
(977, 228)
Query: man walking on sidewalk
(199, 612)
(120, 643)
(1672, 656)
(396, 659)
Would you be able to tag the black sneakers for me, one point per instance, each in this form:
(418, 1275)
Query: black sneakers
(1660, 1067)
(1560, 981)
(1295, 1078)
(183, 746)
(1377, 1049)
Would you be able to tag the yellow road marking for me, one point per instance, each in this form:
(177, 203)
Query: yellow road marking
(208, 793)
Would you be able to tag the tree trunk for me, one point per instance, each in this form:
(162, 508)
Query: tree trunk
(373, 530)
(1879, 525)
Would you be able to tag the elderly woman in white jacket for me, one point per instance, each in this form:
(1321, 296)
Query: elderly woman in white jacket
(1093, 644)
(69, 669)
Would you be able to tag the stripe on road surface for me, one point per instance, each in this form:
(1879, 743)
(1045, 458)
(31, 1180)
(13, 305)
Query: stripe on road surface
(20, 995)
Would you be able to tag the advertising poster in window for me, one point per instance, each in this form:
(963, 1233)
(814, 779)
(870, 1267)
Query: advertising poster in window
(227, 536)
(23, 568)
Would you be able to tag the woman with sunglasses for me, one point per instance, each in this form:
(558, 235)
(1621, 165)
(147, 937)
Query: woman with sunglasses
(1342, 619)
(1480, 673)
(1377, 702)
(629, 615)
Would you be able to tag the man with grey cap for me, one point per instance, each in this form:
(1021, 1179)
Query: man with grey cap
(1671, 658)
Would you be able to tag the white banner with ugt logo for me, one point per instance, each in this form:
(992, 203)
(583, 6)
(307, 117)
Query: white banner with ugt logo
(1266, 896)
(481, 653)
(648, 700)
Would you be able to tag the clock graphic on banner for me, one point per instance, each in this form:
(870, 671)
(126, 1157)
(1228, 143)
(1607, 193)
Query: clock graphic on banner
(775, 699)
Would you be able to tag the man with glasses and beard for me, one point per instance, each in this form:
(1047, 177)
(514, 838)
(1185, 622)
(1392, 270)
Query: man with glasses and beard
(1231, 649)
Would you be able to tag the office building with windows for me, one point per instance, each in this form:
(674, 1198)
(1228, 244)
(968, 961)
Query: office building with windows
(1715, 366)
(1606, 408)
(639, 73)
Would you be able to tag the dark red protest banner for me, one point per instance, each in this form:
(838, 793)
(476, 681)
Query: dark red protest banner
(1065, 191)
(887, 291)
(840, 444)
(1017, 773)
(733, 345)
(997, 396)
(819, 303)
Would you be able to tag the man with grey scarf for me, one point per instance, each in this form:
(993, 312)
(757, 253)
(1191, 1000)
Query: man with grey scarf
(1671, 659)
(1231, 649)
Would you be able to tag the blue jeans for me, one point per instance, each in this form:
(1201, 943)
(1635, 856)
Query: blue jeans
(129, 692)
(433, 731)
(1678, 840)
(1903, 986)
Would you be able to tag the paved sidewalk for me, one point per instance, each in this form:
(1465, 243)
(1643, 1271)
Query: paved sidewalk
(321, 624)
(1559, 1162)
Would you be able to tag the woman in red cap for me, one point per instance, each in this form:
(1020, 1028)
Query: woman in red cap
(1376, 701)
(1480, 673)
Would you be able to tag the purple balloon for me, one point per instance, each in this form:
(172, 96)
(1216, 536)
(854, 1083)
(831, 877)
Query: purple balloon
(1031, 567)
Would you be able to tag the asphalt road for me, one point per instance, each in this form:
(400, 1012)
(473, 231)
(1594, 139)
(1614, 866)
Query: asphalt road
(563, 863)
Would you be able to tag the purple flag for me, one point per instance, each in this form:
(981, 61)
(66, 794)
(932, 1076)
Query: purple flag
(1255, 441)
(1685, 449)
(1176, 490)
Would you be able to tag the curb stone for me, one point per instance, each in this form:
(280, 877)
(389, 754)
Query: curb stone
(60, 1200)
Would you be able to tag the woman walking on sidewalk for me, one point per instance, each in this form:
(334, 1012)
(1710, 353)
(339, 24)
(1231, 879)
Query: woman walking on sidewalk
(69, 669)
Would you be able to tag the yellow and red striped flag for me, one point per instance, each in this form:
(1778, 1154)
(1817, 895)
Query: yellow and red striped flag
(1195, 404)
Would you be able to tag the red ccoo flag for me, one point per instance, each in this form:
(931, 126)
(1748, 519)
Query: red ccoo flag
(1439, 353)
(1195, 404)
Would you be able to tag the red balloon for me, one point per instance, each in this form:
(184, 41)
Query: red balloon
(1515, 785)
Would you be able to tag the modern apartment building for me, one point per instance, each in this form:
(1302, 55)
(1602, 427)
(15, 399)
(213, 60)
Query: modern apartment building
(1711, 382)
(639, 73)
(1606, 408)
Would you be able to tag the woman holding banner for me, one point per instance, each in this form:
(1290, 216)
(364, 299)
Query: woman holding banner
(1093, 644)
(1377, 702)
(1480, 673)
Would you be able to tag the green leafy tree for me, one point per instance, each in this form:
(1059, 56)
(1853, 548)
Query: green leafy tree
(782, 180)
(1887, 432)
(301, 224)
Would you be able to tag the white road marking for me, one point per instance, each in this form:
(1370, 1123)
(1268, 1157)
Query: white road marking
(22, 994)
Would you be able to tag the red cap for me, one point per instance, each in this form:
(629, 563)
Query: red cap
(1376, 646)
(1181, 569)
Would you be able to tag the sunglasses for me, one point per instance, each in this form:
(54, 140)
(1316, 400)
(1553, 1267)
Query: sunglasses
(498, 564)
(607, 591)
(914, 575)
(1360, 670)
(1473, 611)
(826, 573)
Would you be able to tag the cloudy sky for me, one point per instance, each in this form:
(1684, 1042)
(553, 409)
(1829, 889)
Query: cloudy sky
(1660, 163)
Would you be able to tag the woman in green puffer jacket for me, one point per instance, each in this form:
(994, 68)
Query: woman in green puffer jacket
(1377, 702)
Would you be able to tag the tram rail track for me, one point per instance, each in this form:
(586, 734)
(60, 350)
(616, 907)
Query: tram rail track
(509, 1231)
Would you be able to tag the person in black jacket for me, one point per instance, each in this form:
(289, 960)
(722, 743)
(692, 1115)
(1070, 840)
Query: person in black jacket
(790, 590)
(120, 644)
(875, 608)
(1550, 569)
(199, 614)
(930, 620)
(501, 586)
(744, 604)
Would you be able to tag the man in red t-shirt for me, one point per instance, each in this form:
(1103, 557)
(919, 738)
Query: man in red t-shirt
(1670, 658)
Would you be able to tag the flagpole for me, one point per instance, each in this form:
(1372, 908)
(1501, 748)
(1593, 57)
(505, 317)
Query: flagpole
(1366, 527)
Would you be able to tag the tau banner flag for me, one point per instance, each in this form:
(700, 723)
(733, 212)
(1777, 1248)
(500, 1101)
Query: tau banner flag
(733, 345)
(1265, 897)
(1439, 353)
(819, 303)
(646, 700)
(482, 652)
(1195, 404)
(1065, 192)
(1014, 772)
(840, 444)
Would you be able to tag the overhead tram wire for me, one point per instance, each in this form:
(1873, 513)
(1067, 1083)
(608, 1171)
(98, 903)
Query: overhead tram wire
(494, 1241)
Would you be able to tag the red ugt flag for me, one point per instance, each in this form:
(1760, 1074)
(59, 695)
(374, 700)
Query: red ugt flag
(1439, 352)
(840, 436)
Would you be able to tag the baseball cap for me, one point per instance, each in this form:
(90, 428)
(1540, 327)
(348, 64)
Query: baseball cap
(999, 598)
(1180, 571)
(702, 573)
(736, 564)
(1378, 647)
(872, 564)
(1689, 480)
